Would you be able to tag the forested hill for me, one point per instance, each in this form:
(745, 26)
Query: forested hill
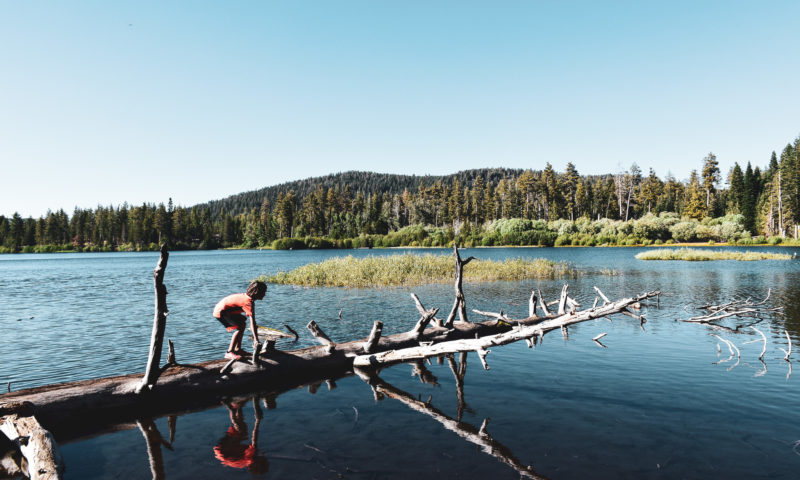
(365, 183)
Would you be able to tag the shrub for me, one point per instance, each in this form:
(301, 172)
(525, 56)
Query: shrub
(684, 231)
(288, 244)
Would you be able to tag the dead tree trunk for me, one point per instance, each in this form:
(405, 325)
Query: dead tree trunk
(459, 305)
(526, 328)
(35, 443)
(159, 324)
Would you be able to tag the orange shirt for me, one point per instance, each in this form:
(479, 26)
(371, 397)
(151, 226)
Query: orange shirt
(238, 302)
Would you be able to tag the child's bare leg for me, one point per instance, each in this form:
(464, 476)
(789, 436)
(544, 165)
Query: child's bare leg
(236, 341)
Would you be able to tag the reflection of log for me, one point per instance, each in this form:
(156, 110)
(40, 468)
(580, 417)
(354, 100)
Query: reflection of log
(464, 430)
(481, 344)
(459, 372)
(35, 443)
(159, 323)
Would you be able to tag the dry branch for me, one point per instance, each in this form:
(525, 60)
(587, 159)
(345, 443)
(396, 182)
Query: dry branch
(374, 336)
(317, 332)
(460, 304)
(35, 443)
(159, 323)
(526, 329)
(532, 304)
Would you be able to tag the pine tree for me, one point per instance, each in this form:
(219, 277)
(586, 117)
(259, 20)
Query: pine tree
(570, 187)
(694, 206)
(710, 178)
(736, 191)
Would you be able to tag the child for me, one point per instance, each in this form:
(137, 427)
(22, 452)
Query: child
(231, 312)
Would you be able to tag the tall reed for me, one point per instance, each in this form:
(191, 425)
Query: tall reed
(701, 255)
(411, 269)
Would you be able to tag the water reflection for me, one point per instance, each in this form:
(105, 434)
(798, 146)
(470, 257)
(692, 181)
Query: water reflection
(478, 436)
(231, 451)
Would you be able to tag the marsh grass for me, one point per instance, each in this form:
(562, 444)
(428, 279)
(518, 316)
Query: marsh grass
(412, 269)
(701, 255)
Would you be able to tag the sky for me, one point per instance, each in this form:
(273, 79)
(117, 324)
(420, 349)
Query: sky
(141, 101)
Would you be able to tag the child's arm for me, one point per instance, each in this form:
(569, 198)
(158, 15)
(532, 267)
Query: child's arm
(254, 329)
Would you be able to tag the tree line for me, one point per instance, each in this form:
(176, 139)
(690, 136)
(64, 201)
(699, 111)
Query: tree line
(473, 206)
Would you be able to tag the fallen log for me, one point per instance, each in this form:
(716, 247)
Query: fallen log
(37, 445)
(526, 328)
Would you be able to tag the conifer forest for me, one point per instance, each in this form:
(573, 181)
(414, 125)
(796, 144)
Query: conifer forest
(482, 207)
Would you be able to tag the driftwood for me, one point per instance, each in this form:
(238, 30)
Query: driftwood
(460, 304)
(159, 323)
(525, 328)
(738, 308)
(741, 315)
(374, 337)
(36, 444)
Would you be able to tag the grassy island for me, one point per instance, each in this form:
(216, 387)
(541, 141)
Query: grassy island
(701, 255)
(412, 269)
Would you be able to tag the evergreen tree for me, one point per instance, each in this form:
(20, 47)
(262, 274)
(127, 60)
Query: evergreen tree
(736, 191)
(710, 178)
(695, 205)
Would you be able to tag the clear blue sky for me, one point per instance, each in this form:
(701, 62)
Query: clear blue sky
(105, 102)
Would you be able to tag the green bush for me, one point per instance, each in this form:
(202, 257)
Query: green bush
(684, 231)
(288, 244)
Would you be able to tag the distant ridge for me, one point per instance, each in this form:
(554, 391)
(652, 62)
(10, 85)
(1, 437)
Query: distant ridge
(359, 181)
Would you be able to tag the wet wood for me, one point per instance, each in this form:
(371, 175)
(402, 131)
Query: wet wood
(460, 304)
(171, 353)
(317, 332)
(36, 444)
(526, 328)
(159, 323)
(374, 337)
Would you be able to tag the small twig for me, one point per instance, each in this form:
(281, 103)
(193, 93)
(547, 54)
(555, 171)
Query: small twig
(227, 365)
(9, 383)
(292, 331)
(313, 448)
(599, 336)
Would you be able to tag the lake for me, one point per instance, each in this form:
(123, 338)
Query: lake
(661, 399)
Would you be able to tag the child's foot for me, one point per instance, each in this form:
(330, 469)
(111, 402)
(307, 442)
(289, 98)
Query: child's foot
(242, 352)
(232, 356)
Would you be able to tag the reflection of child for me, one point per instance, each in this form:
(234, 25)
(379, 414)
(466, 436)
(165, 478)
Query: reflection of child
(232, 312)
(230, 450)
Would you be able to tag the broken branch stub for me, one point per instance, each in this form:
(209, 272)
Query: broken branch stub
(460, 304)
(374, 336)
(317, 332)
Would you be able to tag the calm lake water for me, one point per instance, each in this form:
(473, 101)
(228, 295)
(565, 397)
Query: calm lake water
(661, 401)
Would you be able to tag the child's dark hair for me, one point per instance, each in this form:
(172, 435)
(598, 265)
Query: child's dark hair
(256, 289)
